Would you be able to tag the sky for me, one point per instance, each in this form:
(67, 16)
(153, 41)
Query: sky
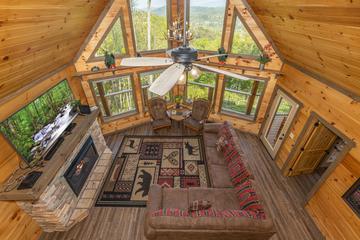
(202, 3)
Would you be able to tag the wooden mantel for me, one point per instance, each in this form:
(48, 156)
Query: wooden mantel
(51, 167)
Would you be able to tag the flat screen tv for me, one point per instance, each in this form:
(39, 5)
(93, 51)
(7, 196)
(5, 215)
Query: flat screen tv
(33, 129)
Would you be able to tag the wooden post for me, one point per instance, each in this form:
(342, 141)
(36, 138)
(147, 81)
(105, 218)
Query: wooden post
(138, 94)
(103, 98)
(252, 97)
(219, 90)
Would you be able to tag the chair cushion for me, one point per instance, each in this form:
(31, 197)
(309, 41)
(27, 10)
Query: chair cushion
(161, 123)
(213, 156)
(219, 175)
(200, 110)
(192, 123)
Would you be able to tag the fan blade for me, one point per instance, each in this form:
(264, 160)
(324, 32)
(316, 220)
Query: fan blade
(212, 56)
(146, 62)
(227, 73)
(167, 79)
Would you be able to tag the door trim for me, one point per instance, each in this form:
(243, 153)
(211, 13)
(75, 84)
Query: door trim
(267, 115)
(349, 144)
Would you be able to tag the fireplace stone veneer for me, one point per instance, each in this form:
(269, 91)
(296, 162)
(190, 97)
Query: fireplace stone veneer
(58, 208)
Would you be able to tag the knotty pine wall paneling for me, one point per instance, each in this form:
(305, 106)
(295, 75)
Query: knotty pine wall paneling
(333, 216)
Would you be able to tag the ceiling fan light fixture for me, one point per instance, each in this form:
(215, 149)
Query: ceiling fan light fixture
(195, 72)
(182, 79)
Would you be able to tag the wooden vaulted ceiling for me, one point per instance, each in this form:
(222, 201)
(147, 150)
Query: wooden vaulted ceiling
(320, 36)
(38, 37)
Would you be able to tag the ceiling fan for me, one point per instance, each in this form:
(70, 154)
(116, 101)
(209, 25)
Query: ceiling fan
(180, 59)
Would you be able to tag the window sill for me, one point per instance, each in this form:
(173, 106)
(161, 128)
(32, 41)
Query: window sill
(250, 118)
(120, 116)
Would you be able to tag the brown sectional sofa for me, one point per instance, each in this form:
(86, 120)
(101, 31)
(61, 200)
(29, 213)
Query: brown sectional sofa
(223, 197)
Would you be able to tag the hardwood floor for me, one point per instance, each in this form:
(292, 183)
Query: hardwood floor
(283, 197)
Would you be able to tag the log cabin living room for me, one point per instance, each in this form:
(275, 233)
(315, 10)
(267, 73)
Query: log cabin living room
(179, 119)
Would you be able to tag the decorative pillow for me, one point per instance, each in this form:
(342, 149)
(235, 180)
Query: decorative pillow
(224, 130)
(221, 143)
(175, 212)
(199, 205)
(248, 198)
(229, 150)
(238, 171)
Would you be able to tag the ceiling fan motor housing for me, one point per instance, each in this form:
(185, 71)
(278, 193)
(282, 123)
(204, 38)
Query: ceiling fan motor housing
(184, 55)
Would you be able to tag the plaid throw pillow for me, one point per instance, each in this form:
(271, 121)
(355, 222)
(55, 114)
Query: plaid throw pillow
(224, 130)
(238, 171)
(221, 143)
(199, 205)
(175, 212)
(248, 198)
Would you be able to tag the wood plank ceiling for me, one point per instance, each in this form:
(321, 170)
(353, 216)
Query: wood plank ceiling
(320, 36)
(38, 37)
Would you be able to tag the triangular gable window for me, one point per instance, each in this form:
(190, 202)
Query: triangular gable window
(243, 43)
(113, 42)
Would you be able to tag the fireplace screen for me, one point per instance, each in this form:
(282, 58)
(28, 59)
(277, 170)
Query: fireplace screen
(81, 166)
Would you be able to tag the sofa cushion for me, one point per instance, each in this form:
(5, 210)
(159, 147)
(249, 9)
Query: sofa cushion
(175, 198)
(214, 157)
(220, 198)
(249, 200)
(210, 139)
(219, 176)
(176, 212)
(212, 127)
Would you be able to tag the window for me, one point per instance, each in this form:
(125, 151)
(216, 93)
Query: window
(201, 87)
(242, 97)
(115, 96)
(206, 23)
(243, 43)
(147, 78)
(113, 42)
(149, 35)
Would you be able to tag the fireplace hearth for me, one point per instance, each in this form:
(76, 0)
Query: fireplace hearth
(81, 166)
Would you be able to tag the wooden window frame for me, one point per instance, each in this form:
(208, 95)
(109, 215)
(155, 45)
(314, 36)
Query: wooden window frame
(94, 58)
(245, 116)
(121, 115)
(233, 26)
(168, 21)
(204, 85)
(206, 51)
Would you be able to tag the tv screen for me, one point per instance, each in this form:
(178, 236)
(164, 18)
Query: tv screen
(30, 129)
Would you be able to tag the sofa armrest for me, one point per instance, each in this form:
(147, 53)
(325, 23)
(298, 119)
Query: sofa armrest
(155, 198)
(212, 127)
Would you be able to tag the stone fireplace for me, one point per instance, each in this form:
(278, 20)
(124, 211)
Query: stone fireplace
(72, 193)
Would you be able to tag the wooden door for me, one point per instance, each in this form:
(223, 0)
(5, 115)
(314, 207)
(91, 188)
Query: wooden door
(319, 142)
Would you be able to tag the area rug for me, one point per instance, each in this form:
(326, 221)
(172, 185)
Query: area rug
(172, 162)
